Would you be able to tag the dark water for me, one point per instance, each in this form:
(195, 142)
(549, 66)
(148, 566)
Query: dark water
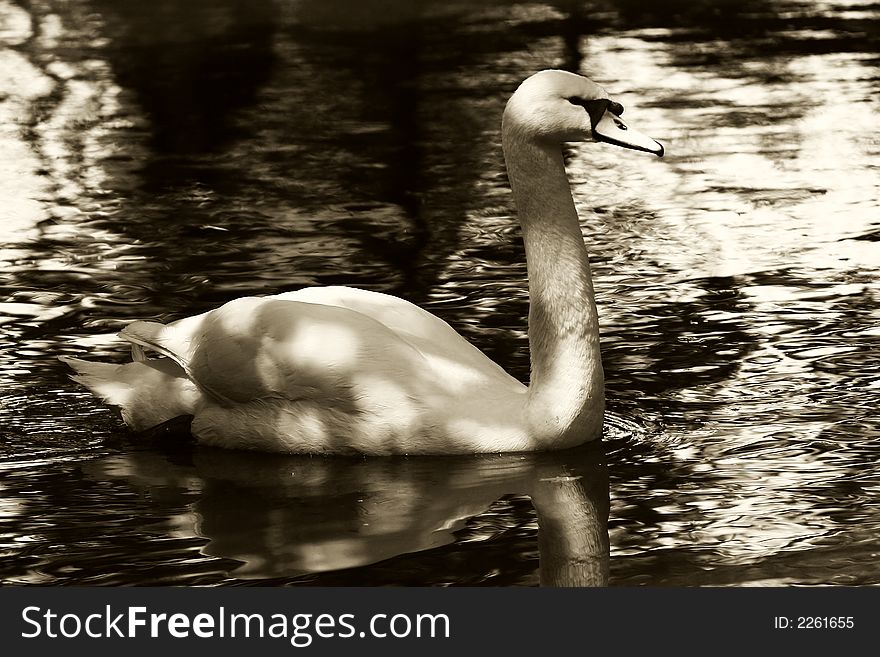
(157, 159)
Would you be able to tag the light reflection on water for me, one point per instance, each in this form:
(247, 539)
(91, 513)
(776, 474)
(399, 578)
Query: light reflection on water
(155, 172)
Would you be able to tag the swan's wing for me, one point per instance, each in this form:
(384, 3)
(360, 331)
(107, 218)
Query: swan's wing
(428, 333)
(260, 348)
(397, 314)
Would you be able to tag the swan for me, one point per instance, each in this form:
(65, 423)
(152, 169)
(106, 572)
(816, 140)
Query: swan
(338, 370)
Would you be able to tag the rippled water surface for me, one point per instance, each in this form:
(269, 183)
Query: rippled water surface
(159, 159)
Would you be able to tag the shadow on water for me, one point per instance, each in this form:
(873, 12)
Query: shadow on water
(312, 520)
(191, 65)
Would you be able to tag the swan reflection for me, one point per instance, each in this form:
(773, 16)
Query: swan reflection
(285, 516)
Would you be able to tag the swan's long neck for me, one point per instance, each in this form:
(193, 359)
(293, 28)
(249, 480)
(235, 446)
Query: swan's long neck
(566, 398)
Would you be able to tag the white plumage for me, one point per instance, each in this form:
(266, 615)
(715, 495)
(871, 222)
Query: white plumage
(340, 370)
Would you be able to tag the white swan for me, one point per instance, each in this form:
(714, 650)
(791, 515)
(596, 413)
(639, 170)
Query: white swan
(339, 370)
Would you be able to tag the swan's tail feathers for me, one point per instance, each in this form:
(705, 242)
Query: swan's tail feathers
(147, 392)
(105, 380)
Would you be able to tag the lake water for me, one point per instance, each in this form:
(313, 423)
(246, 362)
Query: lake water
(159, 159)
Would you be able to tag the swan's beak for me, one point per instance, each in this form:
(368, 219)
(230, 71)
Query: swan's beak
(612, 129)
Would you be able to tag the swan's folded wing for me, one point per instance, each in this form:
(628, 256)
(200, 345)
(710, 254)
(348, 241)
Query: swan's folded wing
(259, 348)
(428, 333)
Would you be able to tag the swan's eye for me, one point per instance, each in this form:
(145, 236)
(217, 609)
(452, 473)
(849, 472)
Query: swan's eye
(575, 100)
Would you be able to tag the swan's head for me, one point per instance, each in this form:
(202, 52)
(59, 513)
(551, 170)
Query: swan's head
(561, 106)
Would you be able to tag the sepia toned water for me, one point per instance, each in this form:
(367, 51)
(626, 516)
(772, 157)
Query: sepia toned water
(157, 160)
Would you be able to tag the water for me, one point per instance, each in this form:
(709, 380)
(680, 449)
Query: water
(155, 162)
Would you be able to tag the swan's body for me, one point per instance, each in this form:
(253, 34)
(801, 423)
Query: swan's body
(338, 370)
